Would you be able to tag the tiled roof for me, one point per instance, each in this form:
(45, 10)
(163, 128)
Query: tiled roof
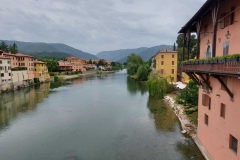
(39, 62)
(22, 55)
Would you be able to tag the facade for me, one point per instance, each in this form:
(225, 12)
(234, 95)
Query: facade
(166, 63)
(6, 73)
(217, 25)
(40, 71)
(65, 65)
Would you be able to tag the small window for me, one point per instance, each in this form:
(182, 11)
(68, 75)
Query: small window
(0, 61)
(2, 74)
(9, 74)
(225, 48)
(162, 56)
(162, 62)
(206, 119)
(162, 71)
(173, 63)
(206, 101)
(225, 82)
(233, 143)
(172, 71)
(8, 62)
(172, 55)
(223, 110)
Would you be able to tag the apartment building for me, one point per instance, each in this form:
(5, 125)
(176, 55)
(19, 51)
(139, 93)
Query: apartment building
(6, 73)
(217, 25)
(40, 71)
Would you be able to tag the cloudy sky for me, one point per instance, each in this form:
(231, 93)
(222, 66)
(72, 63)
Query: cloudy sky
(96, 25)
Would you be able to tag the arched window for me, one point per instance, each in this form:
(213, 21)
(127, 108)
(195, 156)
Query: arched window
(209, 52)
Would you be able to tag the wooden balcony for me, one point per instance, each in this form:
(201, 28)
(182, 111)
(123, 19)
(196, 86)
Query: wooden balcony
(224, 69)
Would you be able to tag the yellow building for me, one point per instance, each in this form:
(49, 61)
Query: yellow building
(166, 64)
(40, 71)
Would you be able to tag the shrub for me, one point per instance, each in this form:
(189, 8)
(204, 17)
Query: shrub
(56, 78)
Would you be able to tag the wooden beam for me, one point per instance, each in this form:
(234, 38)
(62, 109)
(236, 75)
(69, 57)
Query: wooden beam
(188, 44)
(214, 19)
(205, 81)
(199, 83)
(183, 53)
(198, 26)
(224, 85)
(193, 78)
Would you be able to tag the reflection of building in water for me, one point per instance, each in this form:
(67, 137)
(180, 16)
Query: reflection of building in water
(19, 101)
(163, 116)
(42, 91)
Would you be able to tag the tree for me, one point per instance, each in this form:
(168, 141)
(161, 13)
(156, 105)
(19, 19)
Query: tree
(174, 47)
(13, 49)
(193, 41)
(4, 47)
(189, 95)
(90, 61)
(133, 62)
(143, 72)
(52, 64)
(100, 63)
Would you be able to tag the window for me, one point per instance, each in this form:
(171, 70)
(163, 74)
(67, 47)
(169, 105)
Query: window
(206, 119)
(231, 17)
(225, 48)
(172, 78)
(2, 74)
(172, 71)
(222, 20)
(222, 111)
(173, 63)
(9, 74)
(162, 56)
(0, 61)
(205, 30)
(162, 62)
(172, 55)
(233, 143)
(9, 68)
(206, 101)
(8, 62)
(162, 71)
(225, 81)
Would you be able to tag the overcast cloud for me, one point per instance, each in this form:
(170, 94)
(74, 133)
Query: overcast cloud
(96, 25)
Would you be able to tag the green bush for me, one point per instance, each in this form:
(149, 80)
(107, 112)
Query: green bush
(56, 78)
(143, 72)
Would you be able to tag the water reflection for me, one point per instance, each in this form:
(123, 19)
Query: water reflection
(163, 116)
(18, 101)
(134, 87)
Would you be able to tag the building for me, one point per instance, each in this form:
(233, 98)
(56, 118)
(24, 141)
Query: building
(6, 73)
(166, 64)
(217, 25)
(40, 71)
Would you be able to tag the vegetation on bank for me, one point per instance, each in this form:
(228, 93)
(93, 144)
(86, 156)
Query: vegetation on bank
(11, 48)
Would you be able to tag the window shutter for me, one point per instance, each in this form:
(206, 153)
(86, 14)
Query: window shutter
(203, 99)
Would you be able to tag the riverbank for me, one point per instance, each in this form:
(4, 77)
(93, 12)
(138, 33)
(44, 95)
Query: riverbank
(188, 127)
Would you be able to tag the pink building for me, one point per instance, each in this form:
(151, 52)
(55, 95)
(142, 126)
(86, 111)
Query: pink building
(217, 26)
(21, 61)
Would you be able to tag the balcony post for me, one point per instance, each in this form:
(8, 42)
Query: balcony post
(214, 19)
(183, 53)
(198, 37)
(188, 43)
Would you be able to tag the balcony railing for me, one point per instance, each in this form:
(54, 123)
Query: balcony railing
(224, 68)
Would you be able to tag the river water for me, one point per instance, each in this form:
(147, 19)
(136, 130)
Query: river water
(107, 117)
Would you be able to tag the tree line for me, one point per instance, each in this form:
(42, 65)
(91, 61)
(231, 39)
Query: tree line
(9, 48)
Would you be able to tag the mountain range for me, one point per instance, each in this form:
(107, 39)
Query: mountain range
(122, 54)
(57, 50)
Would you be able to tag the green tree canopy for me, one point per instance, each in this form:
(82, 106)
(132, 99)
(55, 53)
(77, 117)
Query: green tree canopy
(13, 48)
(143, 72)
(100, 63)
(52, 64)
(133, 62)
(193, 42)
(4, 46)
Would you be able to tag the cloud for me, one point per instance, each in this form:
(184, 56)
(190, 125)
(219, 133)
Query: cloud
(96, 25)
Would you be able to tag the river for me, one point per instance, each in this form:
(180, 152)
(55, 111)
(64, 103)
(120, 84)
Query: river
(102, 117)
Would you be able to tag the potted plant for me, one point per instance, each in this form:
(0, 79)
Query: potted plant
(222, 59)
(233, 58)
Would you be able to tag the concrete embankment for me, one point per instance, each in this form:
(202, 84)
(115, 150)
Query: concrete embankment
(187, 126)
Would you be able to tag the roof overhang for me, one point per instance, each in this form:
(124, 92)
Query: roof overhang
(191, 24)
